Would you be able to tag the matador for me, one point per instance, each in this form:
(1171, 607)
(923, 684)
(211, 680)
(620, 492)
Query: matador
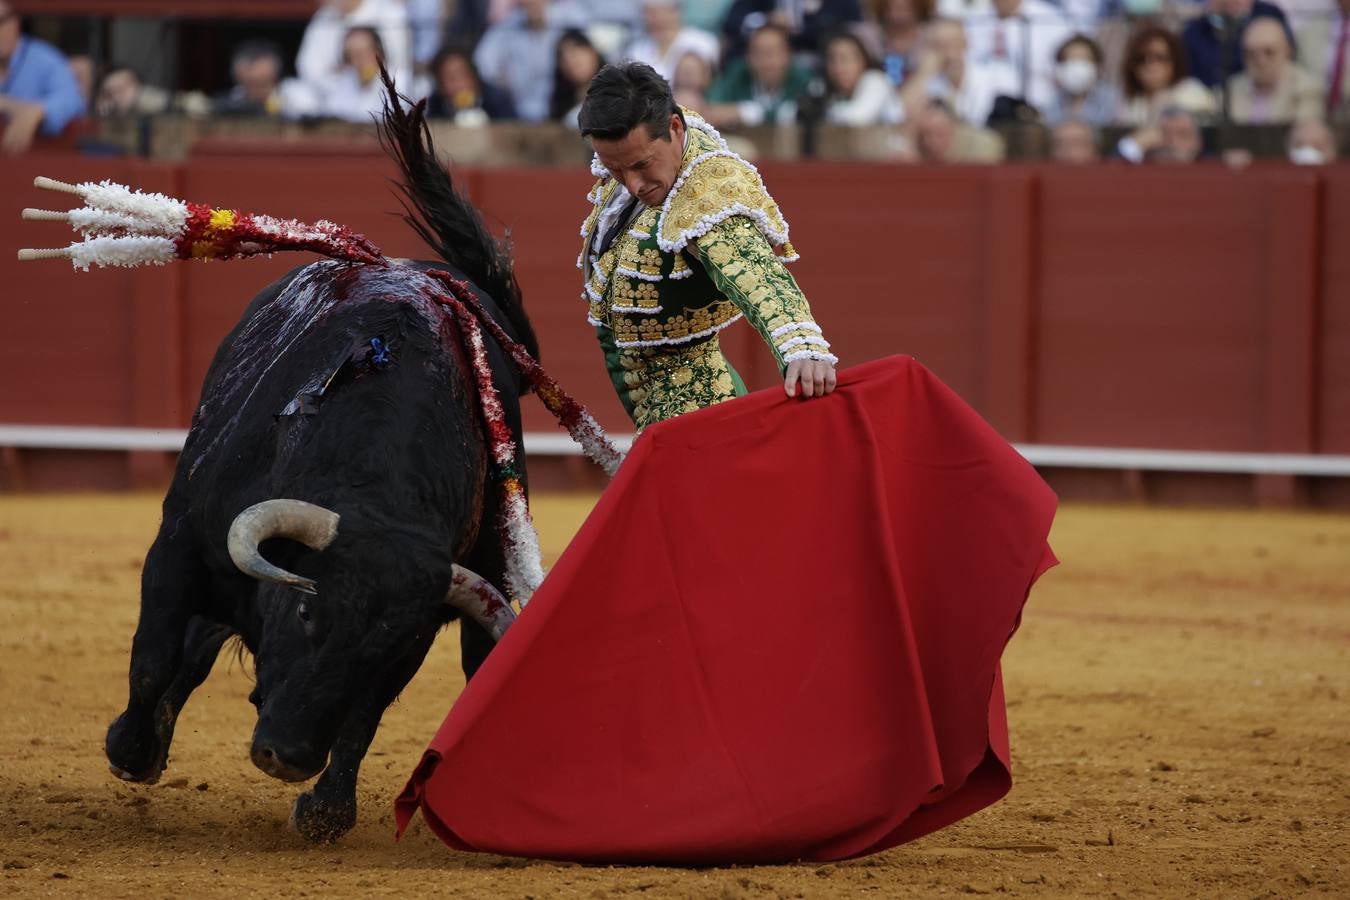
(681, 241)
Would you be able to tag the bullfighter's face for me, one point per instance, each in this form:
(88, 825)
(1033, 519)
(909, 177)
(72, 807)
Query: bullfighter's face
(647, 166)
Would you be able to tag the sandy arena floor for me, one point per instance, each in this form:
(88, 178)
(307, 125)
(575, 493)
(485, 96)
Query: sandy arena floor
(1179, 700)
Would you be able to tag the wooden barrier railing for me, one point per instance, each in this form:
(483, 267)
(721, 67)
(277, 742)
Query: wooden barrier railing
(506, 144)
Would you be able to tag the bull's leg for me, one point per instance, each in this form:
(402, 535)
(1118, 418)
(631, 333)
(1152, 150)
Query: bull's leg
(201, 646)
(173, 573)
(327, 812)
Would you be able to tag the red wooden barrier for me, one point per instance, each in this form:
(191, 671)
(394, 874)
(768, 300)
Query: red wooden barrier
(1332, 349)
(1184, 309)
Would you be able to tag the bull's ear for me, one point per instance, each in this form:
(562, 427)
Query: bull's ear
(314, 526)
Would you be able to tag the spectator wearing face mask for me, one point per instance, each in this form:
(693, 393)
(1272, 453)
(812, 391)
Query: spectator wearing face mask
(1311, 143)
(1074, 143)
(1079, 91)
(1273, 89)
(763, 87)
(1213, 41)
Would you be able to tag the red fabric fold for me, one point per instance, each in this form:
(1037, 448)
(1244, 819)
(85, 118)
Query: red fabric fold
(776, 637)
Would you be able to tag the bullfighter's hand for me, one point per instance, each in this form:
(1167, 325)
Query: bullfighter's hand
(816, 377)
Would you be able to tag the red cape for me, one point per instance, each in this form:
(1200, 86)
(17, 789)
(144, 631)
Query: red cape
(776, 637)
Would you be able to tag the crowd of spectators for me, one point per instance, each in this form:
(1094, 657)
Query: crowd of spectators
(939, 73)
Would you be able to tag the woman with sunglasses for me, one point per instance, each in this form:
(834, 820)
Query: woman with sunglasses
(1155, 79)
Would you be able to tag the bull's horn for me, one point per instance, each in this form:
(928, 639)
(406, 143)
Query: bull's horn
(311, 525)
(474, 595)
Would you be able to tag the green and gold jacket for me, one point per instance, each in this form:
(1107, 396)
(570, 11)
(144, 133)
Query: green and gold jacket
(712, 253)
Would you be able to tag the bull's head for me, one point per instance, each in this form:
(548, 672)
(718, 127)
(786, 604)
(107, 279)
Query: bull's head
(350, 636)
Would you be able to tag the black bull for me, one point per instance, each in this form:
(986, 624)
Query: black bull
(342, 386)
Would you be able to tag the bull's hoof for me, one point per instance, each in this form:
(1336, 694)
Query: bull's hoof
(133, 754)
(123, 774)
(319, 822)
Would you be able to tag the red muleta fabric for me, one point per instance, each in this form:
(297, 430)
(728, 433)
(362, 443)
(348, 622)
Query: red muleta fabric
(776, 637)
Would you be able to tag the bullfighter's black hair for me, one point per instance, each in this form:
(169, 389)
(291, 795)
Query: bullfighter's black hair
(447, 222)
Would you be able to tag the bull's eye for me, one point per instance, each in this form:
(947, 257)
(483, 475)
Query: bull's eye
(302, 612)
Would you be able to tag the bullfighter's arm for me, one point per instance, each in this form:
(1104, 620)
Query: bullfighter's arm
(741, 263)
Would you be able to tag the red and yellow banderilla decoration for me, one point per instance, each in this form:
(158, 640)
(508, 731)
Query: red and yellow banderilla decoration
(122, 227)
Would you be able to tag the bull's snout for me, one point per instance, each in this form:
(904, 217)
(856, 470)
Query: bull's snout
(288, 764)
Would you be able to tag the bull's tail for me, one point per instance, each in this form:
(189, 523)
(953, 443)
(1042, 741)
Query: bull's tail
(443, 218)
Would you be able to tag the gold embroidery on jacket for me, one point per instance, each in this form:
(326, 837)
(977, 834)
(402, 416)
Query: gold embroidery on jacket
(633, 294)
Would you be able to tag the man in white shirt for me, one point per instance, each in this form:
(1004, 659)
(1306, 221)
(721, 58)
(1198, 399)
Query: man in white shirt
(666, 40)
(946, 72)
(1273, 89)
(1025, 35)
